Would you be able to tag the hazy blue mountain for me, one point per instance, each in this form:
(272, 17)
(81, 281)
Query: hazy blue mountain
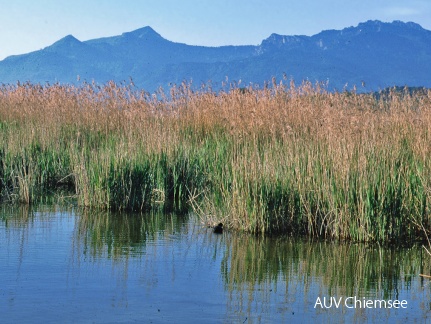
(376, 53)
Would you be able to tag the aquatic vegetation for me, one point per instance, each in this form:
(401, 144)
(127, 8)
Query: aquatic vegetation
(282, 159)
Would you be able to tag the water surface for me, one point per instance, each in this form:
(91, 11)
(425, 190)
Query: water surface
(69, 266)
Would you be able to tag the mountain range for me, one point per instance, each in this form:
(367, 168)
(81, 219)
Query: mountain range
(373, 55)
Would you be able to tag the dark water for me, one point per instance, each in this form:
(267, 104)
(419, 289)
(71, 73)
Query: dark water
(63, 266)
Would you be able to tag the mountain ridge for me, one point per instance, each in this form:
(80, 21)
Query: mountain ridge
(376, 53)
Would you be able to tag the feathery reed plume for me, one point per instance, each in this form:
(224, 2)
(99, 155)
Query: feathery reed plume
(279, 159)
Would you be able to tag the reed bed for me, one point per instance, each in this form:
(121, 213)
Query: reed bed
(281, 159)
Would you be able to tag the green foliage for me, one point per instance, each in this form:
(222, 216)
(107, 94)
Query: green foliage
(279, 160)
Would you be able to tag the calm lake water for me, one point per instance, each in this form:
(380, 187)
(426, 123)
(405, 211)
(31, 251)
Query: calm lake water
(62, 265)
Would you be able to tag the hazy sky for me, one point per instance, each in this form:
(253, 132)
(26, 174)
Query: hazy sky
(28, 25)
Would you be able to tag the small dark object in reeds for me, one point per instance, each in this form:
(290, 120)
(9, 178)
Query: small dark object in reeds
(218, 229)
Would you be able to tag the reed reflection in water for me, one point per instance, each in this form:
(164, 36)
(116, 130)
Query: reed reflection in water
(79, 266)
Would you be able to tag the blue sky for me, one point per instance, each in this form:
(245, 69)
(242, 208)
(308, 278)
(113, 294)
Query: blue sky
(28, 25)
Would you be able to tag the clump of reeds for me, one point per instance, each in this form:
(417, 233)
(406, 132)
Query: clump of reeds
(282, 159)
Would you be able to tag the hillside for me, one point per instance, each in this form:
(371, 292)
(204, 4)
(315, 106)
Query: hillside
(374, 54)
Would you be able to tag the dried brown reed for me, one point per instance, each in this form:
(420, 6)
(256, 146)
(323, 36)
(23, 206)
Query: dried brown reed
(291, 158)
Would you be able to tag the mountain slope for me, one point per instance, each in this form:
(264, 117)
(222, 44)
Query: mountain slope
(374, 53)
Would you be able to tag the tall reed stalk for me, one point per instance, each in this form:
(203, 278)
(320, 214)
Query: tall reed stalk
(282, 159)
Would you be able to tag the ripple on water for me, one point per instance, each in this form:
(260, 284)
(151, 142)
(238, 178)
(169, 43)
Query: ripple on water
(63, 265)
